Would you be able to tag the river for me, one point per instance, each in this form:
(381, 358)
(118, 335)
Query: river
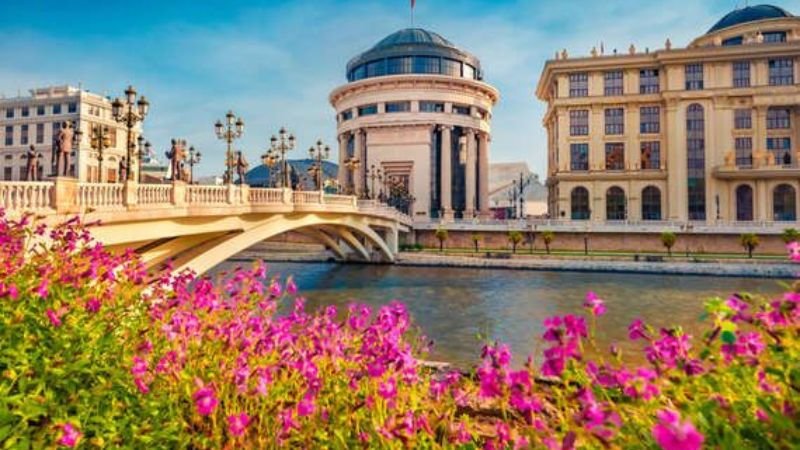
(461, 308)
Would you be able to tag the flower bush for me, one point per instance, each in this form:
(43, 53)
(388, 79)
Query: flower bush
(96, 352)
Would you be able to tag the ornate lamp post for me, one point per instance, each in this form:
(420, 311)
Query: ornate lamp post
(232, 129)
(100, 140)
(145, 151)
(270, 159)
(194, 159)
(130, 112)
(281, 144)
(352, 163)
(318, 154)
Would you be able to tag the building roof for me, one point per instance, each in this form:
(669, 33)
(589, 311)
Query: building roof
(298, 168)
(749, 14)
(413, 42)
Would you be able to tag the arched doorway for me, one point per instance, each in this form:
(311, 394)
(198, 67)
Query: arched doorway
(615, 204)
(651, 203)
(744, 202)
(579, 203)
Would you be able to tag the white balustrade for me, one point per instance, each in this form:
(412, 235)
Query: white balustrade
(154, 194)
(340, 200)
(306, 198)
(261, 196)
(101, 195)
(25, 195)
(206, 195)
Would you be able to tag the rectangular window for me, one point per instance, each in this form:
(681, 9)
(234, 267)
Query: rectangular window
(395, 107)
(376, 68)
(40, 133)
(774, 36)
(578, 84)
(781, 148)
(461, 109)
(781, 72)
(694, 77)
(579, 122)
(743, 119)
(613, 83)
(737, 40)
(651, 155)
(648, 81)
(451, 67)
(23, 138)
(741, 74)
(615, 156)
(7, 173)
(615, 121)
(25, 111)
(367, 110)
(649, 120)
(427, 64)
(347, 115)
(57, 108)
(56, 129)
(744, 151)
(579, 156)
(40, 110)
(72, 107)
(436, 107)
(779, 118)
(9, 136)
(10, 113)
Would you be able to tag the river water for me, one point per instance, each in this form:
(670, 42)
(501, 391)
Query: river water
(462, 308)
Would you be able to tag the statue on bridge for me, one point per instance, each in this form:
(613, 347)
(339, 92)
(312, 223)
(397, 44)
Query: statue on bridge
(62, 147)
(177, 155)
(123, 170)
(241, 167)
(32, 166)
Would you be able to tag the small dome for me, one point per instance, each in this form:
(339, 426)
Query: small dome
(749, 14)
(414, 50)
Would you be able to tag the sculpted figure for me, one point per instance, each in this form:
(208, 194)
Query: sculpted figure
(241, 167)
(123, 170)
(63, 148)
(176, 155)
(32, 166)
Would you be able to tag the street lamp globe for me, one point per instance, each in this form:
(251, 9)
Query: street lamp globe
(218, 128)
(144, 106)
(130, 93)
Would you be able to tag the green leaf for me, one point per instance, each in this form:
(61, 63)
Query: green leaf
(728, 337)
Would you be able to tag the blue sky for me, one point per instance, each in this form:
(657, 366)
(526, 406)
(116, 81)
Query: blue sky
(275, 63)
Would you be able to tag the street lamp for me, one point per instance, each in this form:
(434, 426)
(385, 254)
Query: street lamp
(270, 159)
(281, 144)
(230, 130)
(130, 112)
(100, 140)
(145, 151)
(318, 154)
(352, 163)
(194, 158)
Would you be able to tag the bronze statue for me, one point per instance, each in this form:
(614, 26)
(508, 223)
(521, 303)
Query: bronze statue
(123, 170)
(241, 167)
(63, 147)
(176, 155)
(32, 166)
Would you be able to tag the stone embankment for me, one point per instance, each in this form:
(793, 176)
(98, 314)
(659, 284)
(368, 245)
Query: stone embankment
(727, 269)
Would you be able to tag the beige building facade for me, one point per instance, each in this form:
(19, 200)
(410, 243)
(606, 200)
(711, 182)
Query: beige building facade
(416, 112)
(36, 119)
(707, 133)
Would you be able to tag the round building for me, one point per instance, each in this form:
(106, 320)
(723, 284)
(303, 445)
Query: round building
(415, 115)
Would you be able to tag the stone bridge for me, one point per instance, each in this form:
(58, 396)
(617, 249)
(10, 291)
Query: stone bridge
(199, 226)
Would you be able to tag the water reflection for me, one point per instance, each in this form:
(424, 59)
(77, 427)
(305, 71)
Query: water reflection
(455, 306)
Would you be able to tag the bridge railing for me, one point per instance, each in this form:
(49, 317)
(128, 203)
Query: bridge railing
(154, 194)
(206, 195)
(307, 198)
(266, 196)
(26, 195)
(101, 195)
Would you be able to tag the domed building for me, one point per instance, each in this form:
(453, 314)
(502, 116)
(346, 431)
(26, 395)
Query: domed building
(708, 133)
(415, 114)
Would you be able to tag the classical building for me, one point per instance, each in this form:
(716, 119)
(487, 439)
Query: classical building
(416, 108)
(707, 133)
(36, 119)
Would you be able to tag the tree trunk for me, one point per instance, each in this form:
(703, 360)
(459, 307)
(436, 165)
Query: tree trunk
(669, 252)
(749, 251)
(441, 246)
(547, 247)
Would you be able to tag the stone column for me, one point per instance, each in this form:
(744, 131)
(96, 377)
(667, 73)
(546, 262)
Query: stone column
(483, 176)
(447, 178)
(64, 196)
(342, 176)
(469, 178)
(131, 192)
(358, 176)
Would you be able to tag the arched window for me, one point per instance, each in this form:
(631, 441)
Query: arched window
(651, 203)
(744, 203)
(696, 161)
(784, 206)
(615, 204)
(579, 203)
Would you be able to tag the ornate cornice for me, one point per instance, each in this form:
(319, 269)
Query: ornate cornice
(416, 81)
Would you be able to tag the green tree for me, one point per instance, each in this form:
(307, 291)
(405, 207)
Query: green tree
(790, 235)
(476, 240)
(441, 236)
(515, 237)
(749, 241)
(668, 239)
(548, 237)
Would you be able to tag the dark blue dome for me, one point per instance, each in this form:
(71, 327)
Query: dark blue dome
(414, 51)
(749, 14)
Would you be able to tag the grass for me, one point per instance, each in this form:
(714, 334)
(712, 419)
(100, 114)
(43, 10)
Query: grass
(676, 255)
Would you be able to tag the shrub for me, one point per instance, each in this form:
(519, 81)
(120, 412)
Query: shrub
(476, 240)
(548, 237)
(515, 237)
(749, 241)
(668, 239)
(441, 236)
(790, 235)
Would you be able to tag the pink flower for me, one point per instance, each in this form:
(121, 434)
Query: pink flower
(275, 289)
(41, 291)
(388, 389)
(594, 304)
(672, 434)
(93, 305)
(306, 406)
(69, 435)
(237, 423)
(54, 317)
(205, 400)
(637, 330)
(291, 287)
(794, 251)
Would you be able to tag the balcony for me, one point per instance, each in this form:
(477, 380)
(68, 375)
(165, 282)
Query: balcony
(762, 165)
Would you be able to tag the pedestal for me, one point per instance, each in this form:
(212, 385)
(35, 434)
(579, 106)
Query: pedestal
(64, 196)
